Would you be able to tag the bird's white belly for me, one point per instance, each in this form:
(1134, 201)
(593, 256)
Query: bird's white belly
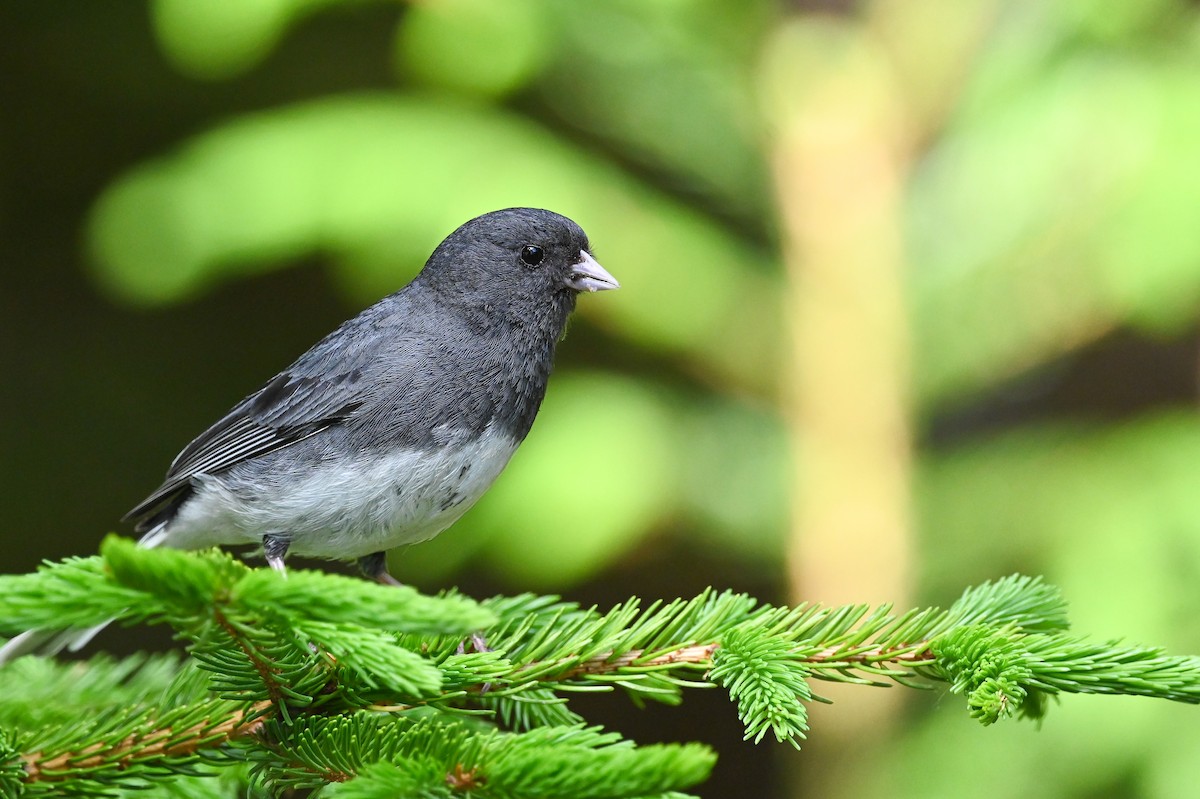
(346, 509)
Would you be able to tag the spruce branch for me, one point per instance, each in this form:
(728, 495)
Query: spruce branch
(318, 680)
(162, 742)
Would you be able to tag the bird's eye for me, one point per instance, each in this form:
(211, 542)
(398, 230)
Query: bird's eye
(532, 255)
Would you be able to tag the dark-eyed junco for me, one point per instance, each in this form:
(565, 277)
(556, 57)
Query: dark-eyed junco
(393, 425)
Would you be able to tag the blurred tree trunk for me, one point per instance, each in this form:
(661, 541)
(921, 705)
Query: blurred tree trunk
(848, 101)
(839, 169)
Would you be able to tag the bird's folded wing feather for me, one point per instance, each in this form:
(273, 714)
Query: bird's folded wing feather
(286, 410)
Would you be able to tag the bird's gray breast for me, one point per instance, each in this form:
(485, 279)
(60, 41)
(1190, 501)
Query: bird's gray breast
(468, 380)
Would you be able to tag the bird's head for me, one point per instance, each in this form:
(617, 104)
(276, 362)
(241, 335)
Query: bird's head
(518, 258)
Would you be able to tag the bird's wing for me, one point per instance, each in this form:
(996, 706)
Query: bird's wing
(294, 405)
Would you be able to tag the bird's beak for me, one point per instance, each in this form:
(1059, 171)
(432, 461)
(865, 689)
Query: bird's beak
(587, 275)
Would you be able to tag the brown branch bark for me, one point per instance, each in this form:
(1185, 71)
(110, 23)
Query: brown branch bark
(264, 671)
(146, 746)
(604, 664)
(700, 653)
(891, 654)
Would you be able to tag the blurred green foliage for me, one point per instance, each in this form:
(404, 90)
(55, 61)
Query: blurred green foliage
(1050, 210)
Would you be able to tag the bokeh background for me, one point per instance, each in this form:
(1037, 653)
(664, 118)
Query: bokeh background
(910, 301)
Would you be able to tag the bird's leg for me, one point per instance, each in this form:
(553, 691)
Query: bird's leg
(374, 567)
(478, 644)
(275, 547)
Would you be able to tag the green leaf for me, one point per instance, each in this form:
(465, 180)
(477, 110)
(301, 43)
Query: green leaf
(375, 180)
(223, 38)
(600, 440)
(498, 47)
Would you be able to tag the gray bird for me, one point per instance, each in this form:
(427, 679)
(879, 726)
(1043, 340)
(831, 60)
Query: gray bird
(393, 425)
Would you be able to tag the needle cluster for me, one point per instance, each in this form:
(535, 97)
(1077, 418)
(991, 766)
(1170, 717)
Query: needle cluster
(361, 690)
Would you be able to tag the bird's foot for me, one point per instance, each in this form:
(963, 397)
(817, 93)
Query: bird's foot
(478, 644)
(275, 547)
(374, 567)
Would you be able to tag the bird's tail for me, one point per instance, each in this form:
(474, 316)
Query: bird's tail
(51, 642)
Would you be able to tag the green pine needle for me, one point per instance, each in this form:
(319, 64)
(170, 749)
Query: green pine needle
(332, 598)
(76, 592)
(323, 681)
(768, 680)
